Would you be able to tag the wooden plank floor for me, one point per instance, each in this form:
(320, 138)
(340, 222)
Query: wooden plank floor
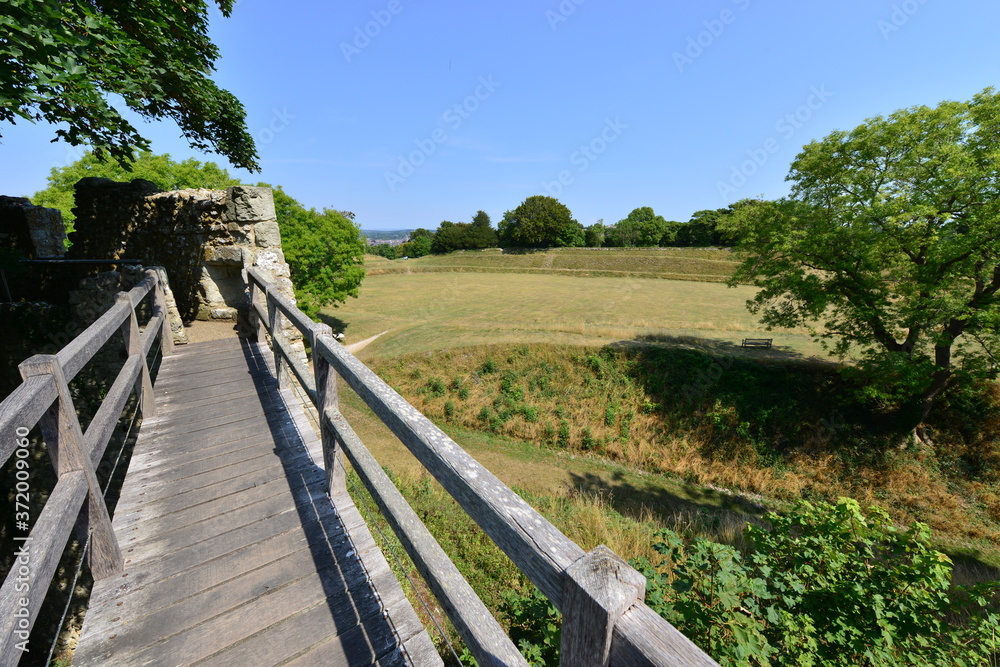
(233, 553)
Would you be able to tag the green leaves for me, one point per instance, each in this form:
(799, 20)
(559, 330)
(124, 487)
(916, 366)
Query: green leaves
(827, 584)
(540, 222)
(324, 250)
(889, 245)
(59, 60)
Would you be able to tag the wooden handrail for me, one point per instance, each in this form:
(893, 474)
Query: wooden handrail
(605, 619)
(44, 399)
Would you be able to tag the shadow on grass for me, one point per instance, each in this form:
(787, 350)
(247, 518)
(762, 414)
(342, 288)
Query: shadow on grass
(726, 347)
(338, 325)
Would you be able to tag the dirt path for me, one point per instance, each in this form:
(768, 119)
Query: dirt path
(354, 347)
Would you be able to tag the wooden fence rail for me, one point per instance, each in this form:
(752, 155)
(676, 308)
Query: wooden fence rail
(605, 619)
(44, 398)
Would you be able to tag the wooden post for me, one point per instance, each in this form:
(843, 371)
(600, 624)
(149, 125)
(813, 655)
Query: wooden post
(277, 333)
(160, 304)
(133, 345)
(259, 332)
(597, 589)
(61, 431)
(326, 398)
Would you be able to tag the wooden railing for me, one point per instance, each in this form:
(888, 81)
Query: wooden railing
(605, 619)
(44, 398)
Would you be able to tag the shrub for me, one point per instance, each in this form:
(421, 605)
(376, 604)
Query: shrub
(825, 585)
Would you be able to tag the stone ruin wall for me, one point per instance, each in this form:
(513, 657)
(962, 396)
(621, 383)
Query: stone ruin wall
(206, 240)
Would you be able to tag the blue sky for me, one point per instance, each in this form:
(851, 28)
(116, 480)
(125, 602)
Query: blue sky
(409, 113)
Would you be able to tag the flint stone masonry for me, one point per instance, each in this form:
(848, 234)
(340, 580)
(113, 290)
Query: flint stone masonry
(205, 239)
(97, 293)
(31, 231)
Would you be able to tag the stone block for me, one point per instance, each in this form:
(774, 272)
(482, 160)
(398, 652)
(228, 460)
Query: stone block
(226, 254)
(241, 234)
(245, 203)
(223, 313)
(267, 234)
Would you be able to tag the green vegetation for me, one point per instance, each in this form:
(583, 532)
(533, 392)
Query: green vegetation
(675, 427)
(161, 170)
(641, 229)
(702, 264)
(62, 60)
(822, 584)
(324, 250)
(540, 222)
(465, 236)
(890, 240)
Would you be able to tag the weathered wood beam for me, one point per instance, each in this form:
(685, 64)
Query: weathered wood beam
(61, 429)
(23, 408)
(487, 641)
(537, 547)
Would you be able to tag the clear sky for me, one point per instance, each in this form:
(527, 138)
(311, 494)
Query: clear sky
(412, 112)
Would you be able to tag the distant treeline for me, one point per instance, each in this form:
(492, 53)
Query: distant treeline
(541, 222)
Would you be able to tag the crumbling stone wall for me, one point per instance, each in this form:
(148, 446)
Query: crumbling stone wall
(33, 232)
(205, 239)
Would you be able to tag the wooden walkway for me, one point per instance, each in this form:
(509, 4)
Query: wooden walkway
(233, 553)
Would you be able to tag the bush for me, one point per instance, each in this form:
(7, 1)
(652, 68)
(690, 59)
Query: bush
(825, 585)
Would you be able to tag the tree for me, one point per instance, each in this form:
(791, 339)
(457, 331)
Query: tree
(642, 229)
(594, 235)
(890, 241)
(540, 222)
(160, 169)
(59, 61)
(481, 233)
(324, 250)
(418, 245)
(464, 236)
(705, 228)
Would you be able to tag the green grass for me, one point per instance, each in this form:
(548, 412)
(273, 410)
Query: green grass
(432, 311)
(703, 264)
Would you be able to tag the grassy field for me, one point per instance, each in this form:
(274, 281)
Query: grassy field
(570, 382)
(703, 264)
(433, 311)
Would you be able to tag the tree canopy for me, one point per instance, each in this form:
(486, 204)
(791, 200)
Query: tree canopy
(540, 222)
(324, 250)
(890, 242)
(473, 235)
(59, 61)
(159, 169)
(642, 228)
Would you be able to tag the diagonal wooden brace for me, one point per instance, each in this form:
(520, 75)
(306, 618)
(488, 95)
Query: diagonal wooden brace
(61, 431)
(133, 346)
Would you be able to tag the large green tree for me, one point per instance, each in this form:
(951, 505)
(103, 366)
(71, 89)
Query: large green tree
(324, 250)
(159, 169)
(642, 228)
(60, 60)
(890, 242)
(540, 222)
(464, 236)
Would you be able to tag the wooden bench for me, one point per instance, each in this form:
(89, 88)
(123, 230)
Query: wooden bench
(757, 342)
